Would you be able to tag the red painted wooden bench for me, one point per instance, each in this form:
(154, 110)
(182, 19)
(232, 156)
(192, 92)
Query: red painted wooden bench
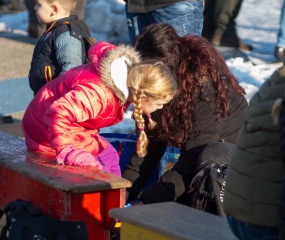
(64, 192)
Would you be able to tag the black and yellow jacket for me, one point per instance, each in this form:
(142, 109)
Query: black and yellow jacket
(59, 49)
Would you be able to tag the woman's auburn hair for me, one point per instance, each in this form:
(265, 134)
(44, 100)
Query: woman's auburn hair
(196, 65)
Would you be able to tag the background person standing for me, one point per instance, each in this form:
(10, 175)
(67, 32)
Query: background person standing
(185, 16)
(279, 52)
(220, 23)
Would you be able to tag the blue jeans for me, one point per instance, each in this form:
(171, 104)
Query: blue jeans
(245, 231)
(281, 32)
(185, 16)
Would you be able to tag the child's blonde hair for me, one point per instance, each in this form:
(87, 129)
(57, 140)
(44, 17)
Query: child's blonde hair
(154, 80)
(67, 5)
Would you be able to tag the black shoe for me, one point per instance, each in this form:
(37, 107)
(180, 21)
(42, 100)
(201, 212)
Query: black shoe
(115, 231)
(279, 54)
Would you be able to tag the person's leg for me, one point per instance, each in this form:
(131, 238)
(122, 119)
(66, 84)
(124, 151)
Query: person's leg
(35, 29)
(245, 231)
(220, 23)
(109, 159)
(209, 25)
(230, 36)
(225, 13)
(136, 23)
(185, 16)
(79, 9)
(281, 32)
(280, 46)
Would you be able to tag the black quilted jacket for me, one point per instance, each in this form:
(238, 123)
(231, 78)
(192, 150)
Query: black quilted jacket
(45, 65)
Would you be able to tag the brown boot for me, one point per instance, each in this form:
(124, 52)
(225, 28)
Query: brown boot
(244, 47)
(233, 41)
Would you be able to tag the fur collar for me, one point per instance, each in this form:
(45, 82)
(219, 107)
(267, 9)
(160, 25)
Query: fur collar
(105, 68)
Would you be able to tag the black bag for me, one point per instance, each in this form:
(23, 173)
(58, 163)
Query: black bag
(208, 186)
(26, 222)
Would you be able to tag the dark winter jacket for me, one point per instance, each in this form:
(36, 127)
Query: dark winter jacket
(138, 6)
(205, 130)
(282, 198)
(254, 177)
(59, 49)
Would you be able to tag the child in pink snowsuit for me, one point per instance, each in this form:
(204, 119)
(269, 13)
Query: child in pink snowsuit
(66, 115)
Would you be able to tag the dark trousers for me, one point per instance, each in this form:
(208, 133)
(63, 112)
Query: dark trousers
(247, 231)
(219, 18)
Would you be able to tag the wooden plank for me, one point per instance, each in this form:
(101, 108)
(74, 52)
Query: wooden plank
(174, 221)
(40, 167)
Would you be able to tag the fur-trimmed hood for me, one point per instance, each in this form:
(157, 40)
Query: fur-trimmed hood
(102, 55)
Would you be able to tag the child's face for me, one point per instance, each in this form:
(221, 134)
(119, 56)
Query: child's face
(44, 11)
(150, 105)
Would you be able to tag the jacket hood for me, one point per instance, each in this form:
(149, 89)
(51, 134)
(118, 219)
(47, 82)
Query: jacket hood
(102, 55)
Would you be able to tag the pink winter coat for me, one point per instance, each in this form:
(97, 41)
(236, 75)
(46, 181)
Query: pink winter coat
(71, 109)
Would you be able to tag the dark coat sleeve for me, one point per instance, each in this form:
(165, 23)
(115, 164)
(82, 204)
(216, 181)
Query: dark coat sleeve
(172, 184)
(139, 170)
(282, 211)
(175, 182)
(282, 198)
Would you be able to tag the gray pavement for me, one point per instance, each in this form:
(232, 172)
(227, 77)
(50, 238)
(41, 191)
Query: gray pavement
(15, 57)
